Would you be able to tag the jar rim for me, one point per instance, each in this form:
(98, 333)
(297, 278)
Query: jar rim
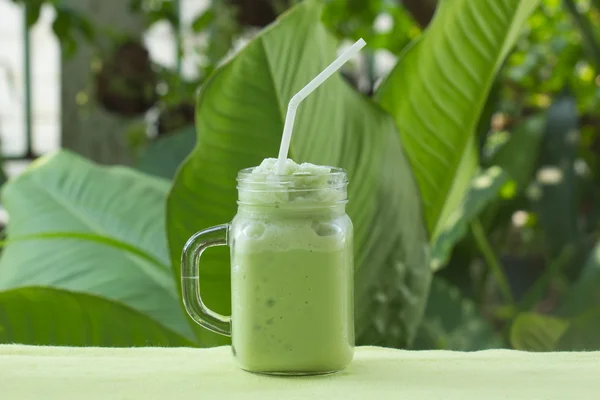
(247, 180)
(334, 172)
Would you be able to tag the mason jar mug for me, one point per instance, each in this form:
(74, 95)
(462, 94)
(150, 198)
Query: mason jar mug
(291, 274)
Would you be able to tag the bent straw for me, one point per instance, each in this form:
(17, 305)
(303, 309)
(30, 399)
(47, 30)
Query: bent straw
(302, 94)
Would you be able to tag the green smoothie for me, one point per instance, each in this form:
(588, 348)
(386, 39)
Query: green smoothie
(292, 271)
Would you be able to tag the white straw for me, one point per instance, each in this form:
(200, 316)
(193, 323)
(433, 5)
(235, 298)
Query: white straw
(302, 94)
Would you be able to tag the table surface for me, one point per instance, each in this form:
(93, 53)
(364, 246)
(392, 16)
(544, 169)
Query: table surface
(29, 372)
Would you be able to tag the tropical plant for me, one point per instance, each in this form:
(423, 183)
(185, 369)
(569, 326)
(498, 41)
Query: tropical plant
(87, 251)
(410, 155)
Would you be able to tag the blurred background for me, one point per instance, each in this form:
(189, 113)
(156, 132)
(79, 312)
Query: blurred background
(112, 79)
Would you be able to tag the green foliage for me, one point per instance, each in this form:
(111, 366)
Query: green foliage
(95, 238)
(32, 12)
(156, 10)
(240, 123)
(519, 155)
(220, 24)
(556, 179)
(46, 316)
(584, 293)
(66, 24)
(484, 188)
(442, 95)
(535, 332)
(582, 334)
(549, 57)
(64, 194)
(356, 19)
(547, 219)
(163, 156)
(203, 20)
(590, 39)
(452, 322)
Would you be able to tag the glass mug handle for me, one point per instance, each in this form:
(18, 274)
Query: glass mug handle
(190, 279)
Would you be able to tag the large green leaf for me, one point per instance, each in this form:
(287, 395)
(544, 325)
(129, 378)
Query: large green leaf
(53, 317)
(483, 189)
(452, 322)
(537, 332)
(438, 90)
(240, 115)
(64, 193)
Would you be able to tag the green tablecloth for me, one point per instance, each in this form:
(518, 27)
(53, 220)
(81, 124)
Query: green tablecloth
(153, 373)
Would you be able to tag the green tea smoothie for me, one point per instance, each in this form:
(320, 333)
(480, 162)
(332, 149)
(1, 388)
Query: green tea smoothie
(292, 270)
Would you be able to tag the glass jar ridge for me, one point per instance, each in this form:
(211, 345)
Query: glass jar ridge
(297, 190)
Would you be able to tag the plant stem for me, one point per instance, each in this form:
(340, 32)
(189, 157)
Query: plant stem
(178, 38)
(480, 287)
(369, 58)
(590, 42)
(491, 260)
(28, 92)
